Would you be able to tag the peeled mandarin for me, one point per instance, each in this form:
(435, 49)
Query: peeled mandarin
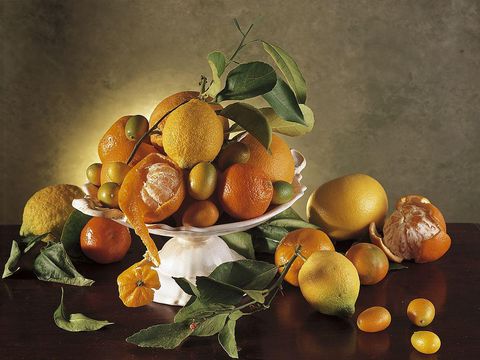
(374, 319)
(425, 342)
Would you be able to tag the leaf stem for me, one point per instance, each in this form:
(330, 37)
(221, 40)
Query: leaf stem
(242, 42)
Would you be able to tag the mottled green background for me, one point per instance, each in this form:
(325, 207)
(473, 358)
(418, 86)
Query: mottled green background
(394, 85)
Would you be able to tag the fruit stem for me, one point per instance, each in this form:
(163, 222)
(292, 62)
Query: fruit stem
(139, 142)
(202, 83)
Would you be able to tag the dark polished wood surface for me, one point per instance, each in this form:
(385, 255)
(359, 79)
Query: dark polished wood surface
(289, 330)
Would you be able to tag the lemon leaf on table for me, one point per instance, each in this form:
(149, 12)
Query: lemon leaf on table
(241, 242)
(226, 338)
(216, 61)
(250, 119)
(247, 81)
(21, 254)
(200, 309)
(165, 336)
(289, 69)
(396, 266)
(210, 326)
(282, 99)
(214, 291)
(71, 234)
(186, 286)
(76, 322)
(290, 128)
(245, 274)
(54, 265)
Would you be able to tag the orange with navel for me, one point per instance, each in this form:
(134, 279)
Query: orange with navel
(153, 190)
(115, 146)
(136, 284)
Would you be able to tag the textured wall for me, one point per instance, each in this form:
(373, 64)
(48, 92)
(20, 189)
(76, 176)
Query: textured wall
(394, 85)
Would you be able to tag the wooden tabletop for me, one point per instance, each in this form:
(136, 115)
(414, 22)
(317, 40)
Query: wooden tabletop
(289, 330)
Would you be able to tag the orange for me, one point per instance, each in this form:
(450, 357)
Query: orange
(200, 214)
(374, 319)
(370, 262)
(104, 240)
(152, 190)
(311, 240)
(170, 103)
(279, 165)
(245, 191)
(415, 230)
(114, 145)
(136, 284)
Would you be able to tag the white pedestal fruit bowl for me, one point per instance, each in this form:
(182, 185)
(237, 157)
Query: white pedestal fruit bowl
(192, 251)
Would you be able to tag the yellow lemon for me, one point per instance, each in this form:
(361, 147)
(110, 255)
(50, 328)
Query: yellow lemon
(344, 207)
(330, 283)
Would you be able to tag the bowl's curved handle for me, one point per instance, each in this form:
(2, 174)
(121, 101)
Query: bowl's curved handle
(300, 161)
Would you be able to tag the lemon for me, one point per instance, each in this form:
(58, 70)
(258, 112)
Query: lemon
(330, 283)
(192, 134)
(48, 209)
(344, 207)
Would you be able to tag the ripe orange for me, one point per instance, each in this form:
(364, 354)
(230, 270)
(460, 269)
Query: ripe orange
(201, 213)
(136, 284)
(114, 145)
(245, 191)
(104, 240)
(279, 165)
(152, 191)
(311, 240)
(370, 262)
(170, 103)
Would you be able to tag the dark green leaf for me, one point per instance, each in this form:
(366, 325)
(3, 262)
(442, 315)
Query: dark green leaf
(76, 322)
(210, 326)
(265, 245)
(290, 128)
(245, 274)
(213, 291)
(53, 264)
(290, 70)
(241, 242)
(18, 254)
(165, 336)
(396, 266)
(199, 309)
(247, 81)
(256, 295)
(287, 214)
(226, 338)
(71, 234)
(186, 286)
(216, 61)
(291, 224)
(282, 99)
(251, 119)
(272, 231)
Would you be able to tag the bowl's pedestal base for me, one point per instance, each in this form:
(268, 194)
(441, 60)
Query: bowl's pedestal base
(188, 257)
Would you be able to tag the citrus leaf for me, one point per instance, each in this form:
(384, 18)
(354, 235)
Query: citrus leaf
(396, 266)
(292, 224)
(71, 234)
(282, 99)
(18, 253)
(226, 338)
(76, 322)
(256, 295)
(214, 291)
(251, 119)
(245, 274)
(216, 61)
(199, 309)
(241, 242)
(247, 81)
(290, 128)
(165, 336)
(265, 245)
(210, 326)
(53, 264)
(11, 264)
(186, 286)
(287, 214)
(289, 69)
(272, 231)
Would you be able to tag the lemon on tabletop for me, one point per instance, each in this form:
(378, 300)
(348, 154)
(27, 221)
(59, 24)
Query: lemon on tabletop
(344, 207)
(48, 209)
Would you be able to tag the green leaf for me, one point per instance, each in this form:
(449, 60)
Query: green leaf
(53, 264)
(226, 338)
(245, 274)
(247, 81)
(266, 245)
(210, 326)
(214, 291)
(251, 119)
(241, 242)
(396, 266)
(282, 99)
(71, 234)
(290, 128)
(216, 61)
(186, 286)
(76, 322)
(200, 309)
(287, 214)
(272, 231)
(291, 224)
(165, 336)
(289, 69)
(18, 253)
(11, 264)
(256, 295)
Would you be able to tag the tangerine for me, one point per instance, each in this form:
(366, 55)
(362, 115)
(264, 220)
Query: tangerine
(136, 284)
(200, 214)
(370, 261)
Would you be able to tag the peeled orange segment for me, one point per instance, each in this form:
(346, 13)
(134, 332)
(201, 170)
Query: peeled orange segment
(415, 230)
(152, 191)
